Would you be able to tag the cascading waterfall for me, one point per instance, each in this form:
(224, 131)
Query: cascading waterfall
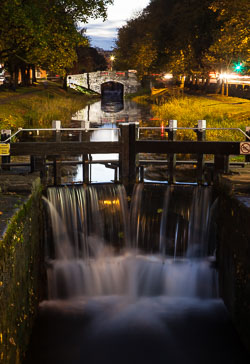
(133, 284)
(88, 223)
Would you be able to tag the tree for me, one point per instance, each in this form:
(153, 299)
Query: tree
(44, 32)
(88, 60)
(232, 39)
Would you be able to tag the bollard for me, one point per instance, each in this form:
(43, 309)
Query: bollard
(172, 124)
(56, 124)
(5, 134)
(201, 136)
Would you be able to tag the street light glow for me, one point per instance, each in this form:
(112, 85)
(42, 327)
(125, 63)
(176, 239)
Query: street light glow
(235, 78)
(168, 76)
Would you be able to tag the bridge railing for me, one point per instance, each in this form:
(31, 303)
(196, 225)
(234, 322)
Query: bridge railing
(129, 147)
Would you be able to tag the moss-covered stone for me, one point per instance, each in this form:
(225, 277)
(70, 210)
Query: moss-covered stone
(20, 278)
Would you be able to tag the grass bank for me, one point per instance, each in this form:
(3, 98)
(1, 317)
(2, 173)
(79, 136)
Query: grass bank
(36, 107)
(218, 111)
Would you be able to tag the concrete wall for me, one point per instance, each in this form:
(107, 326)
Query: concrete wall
(94, 80)
(234, 259)
(21, 278)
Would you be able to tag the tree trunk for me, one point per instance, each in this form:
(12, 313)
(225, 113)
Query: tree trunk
(28, 80)
(222, 88)
(33, 74)
(16, 74)
(227, 88)
(65, 83)
(23, 75)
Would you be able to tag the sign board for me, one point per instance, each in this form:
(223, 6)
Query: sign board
(4, 149)
(245, 148)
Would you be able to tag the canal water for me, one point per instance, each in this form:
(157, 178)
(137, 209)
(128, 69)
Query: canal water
(133, 279)
(103, 115)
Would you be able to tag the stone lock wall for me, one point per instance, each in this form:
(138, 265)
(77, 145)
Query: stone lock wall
(234, 259)
(20, 278)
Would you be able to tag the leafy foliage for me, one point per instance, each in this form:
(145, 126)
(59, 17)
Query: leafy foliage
(185, 36)
(44, 32)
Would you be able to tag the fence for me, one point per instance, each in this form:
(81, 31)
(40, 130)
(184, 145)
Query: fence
(128, 147)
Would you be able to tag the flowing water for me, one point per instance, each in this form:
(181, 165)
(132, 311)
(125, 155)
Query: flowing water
(133, 280)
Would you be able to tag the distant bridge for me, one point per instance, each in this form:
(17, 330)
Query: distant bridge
(122, 82)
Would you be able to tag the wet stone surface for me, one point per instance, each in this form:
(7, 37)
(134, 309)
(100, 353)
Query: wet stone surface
(9, 203)
(15, 188)
(15, 181)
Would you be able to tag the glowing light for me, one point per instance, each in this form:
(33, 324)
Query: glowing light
(111, 202)
(235, 78)
(238, 67)
(213, 75)
(162, 129)
(168, 76)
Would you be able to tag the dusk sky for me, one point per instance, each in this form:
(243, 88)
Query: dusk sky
(103, 34)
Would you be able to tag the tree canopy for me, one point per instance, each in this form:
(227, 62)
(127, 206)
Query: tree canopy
(44, 32)
(185, 37)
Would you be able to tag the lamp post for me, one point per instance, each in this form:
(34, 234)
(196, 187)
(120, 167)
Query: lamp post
(112, 58)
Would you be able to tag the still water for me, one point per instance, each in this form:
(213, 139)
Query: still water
(104, 115)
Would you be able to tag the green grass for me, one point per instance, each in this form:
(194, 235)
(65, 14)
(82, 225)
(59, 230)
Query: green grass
(36, 107)
(218, 111)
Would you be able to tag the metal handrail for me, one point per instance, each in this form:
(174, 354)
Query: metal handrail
(195, 129)
(61, 129)
(118, 130)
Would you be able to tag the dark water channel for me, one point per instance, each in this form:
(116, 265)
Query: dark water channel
(133, 282)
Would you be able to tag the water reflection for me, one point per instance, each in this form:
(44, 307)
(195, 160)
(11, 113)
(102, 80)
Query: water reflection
(102, 112)
(99, 172)
(112, 106)
(102, 115)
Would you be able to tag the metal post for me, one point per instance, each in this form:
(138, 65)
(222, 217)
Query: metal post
(86, 167)
(201, 136)
(5, 134)
(172, 157)
(127, 154)
(56, 124)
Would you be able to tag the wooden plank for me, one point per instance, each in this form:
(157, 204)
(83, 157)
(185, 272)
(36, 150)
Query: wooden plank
(127, 155)
(64, 148)
(187, 147)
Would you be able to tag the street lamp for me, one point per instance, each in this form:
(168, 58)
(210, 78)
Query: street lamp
(112, 58)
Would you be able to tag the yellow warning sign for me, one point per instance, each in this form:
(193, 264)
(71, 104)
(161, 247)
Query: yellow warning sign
(4, 149)
(245, 148)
